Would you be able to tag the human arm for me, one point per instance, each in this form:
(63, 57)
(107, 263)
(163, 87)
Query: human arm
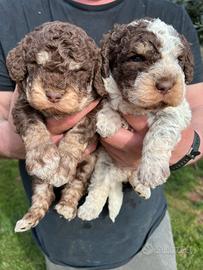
(11, 145)
(195, 99)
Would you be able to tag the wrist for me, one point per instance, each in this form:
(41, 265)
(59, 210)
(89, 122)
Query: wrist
(183, 147)
(191, 155)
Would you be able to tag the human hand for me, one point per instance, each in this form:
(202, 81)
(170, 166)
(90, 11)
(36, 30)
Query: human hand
(125, 147)
(58, 126)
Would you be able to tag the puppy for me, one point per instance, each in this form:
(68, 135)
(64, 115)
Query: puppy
(57, 70)
(146, 65)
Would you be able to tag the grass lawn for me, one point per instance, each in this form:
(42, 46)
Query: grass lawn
(185, 197)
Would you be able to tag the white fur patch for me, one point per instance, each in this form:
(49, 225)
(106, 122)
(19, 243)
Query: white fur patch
(108, 121)
(168, 36)
(134, 23)
(114, 93)
(74, 65)
(43, 57)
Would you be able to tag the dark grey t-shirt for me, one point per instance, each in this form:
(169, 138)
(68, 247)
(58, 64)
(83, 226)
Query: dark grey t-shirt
(98, 244)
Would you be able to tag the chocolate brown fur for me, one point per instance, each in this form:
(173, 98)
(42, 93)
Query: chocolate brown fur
(42, 198)
(186, 60)
(73, 192)
(120, 44)
(57, 70)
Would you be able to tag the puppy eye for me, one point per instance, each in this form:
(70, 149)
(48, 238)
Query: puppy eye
(137, 58)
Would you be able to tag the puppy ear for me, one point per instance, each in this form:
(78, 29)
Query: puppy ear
(187, 60)
(15, 62)
(105, 54)
(110, 49)
(97, 80)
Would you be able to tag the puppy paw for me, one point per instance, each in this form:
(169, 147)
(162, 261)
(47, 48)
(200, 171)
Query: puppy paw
(42, 161)
(65, 172)
(113, 213)
(107, 127)
(60, 178)
(143, 191)
(153, 176)
(88, 212)
(25, 224)
(67, 211)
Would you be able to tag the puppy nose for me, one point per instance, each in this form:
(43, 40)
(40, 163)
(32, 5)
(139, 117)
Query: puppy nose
(164, 85)
(53, 96)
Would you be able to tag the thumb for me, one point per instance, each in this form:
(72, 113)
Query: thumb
(138, 123)
(14, 98)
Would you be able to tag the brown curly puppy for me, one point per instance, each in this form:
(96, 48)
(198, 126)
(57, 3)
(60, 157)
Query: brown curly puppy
(57, 70)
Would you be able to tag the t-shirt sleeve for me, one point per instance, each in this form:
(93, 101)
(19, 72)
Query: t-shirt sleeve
(6, 84)
(190, 33)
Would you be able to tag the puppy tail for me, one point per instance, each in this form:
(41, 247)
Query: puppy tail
(115, 200)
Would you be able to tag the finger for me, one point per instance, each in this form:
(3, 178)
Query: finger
(58, 126)
(15, 94)
(121, 158)
(91, 148)
(113, 152)
(138, 123)
(122, 139)
(61, 125)
(56, 138)
(14, 98)
(12, 104)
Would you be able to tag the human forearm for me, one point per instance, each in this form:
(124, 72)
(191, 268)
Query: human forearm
(184, 145)
(11, 145)
(195, 99)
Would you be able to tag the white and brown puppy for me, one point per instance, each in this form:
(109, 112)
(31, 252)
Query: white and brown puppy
(146, 65)
(57, 70)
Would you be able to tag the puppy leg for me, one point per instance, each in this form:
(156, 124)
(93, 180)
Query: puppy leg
(115, 200)
(142, 190)
(42, 198)
(108, 121)
(160, 140)
(98, 189)
(72, 193)
(95, 201)
(71, 149)
(42, 157)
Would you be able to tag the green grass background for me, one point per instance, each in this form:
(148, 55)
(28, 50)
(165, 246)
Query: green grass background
(185, 197)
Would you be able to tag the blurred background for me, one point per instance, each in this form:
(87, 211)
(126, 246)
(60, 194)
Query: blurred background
(195, 10)
(184, 192)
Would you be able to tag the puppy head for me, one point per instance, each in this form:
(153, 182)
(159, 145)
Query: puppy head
(149, 61)
(57, 65)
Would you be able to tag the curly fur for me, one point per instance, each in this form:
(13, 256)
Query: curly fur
(57, 69)
(145, 67)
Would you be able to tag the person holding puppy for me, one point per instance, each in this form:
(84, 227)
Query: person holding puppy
(99, 244)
